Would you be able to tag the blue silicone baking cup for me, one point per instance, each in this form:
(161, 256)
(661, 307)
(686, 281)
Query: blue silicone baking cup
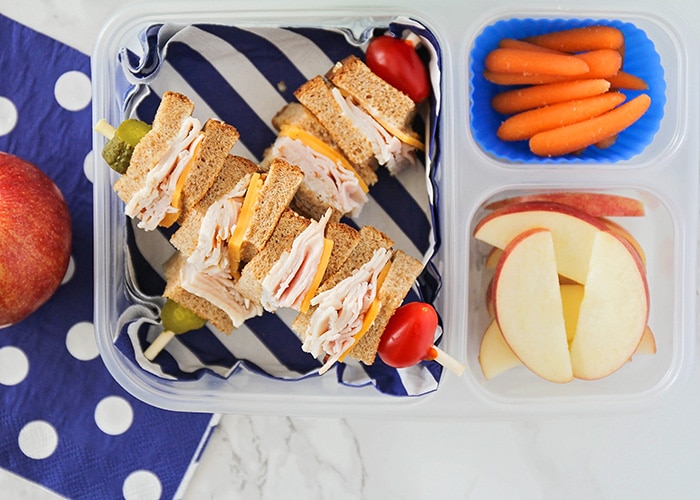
(641, 59)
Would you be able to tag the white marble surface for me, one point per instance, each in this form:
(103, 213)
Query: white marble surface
(654, 454)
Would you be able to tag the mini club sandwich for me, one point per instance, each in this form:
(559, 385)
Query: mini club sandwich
(351, 309)
(231, 224)
(174, 165)
(369, 120)
(330, 180)
(299, 256)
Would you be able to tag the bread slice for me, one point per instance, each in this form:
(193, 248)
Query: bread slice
(281, 183)
(404, 271)
(296, 114)
(371, 239)
(307, 202)
(201, 307)
(388, 105)
(288, 228)
(233, 170)
(345, 238)
(219, 138)
(316, 96)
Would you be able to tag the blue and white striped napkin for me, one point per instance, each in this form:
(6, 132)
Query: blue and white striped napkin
(244, 76)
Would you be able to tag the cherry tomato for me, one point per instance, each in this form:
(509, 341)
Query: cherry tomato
(396, 62)
(408, 337)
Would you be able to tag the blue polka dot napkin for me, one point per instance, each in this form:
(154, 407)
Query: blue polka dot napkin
(64, 422)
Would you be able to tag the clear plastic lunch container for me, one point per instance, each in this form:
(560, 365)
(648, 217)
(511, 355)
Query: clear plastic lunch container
(153, 47)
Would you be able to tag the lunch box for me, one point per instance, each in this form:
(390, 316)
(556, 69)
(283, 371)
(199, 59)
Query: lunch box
(147, 49)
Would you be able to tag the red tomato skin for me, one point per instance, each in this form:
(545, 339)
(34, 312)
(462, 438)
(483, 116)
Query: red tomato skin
(408, 337)
(397, 63)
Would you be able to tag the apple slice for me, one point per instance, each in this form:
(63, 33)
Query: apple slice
(489, 300)
(495, 355)
(648, 343)
(492, 258)
(595, 204)
(614, 309)
(572, 231)
(617, 229)
(528, 307)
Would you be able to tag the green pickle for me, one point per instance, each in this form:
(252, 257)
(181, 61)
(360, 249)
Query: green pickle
(118, 150)
(179, 319)
(132, 131)
(117, 154)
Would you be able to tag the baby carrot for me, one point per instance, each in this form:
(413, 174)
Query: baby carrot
(512, 43)
(514, 101)
(581, 39)
(528, 61)
(602, 63)
(528, 123)
(564, 140)
(624, 80)
(501, 78)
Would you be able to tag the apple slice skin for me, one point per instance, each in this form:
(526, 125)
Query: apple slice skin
(595, 204)
(528, 307)
(614, 310)
(572, 230)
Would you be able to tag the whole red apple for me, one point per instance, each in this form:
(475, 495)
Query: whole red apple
(35, 238)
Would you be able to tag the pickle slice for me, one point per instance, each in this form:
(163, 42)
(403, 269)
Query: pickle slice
(132, 131)
(179, 319)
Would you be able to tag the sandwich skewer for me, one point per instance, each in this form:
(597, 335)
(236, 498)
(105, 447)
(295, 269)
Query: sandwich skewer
(393, 275)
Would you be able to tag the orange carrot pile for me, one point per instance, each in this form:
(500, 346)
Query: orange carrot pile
(566, 89)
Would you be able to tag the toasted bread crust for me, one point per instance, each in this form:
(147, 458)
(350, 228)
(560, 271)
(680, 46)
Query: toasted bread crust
(276, 193)
(402, 274)
(386, 103)
(345, 239)
(316, 96)
(219, 138)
